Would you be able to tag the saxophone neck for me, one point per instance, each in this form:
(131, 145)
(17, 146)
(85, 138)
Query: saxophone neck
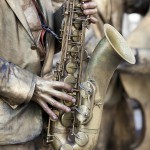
(108, 54)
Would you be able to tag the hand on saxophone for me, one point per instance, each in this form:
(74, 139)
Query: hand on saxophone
(90, 8)
(47, 92)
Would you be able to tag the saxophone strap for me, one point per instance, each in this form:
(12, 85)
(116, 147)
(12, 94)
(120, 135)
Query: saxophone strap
(44, 24)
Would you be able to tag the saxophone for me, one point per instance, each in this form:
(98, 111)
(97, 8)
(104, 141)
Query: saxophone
(79, 129)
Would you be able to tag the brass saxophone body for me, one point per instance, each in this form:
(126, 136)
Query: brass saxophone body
(79, 129)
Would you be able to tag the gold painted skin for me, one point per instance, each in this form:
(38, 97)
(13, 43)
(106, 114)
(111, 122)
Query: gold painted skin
(108, 10)
(106, 57)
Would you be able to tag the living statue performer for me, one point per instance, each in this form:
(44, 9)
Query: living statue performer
(26, 53)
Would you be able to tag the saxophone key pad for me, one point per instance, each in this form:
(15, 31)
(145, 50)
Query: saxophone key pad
(81, 139)
(66, 147)
(70, 79)
(67, 119)
(67, 103)
(71, 67)
(83, 113)
(75, 36)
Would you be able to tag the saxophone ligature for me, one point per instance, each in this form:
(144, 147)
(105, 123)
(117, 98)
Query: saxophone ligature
(79, 129)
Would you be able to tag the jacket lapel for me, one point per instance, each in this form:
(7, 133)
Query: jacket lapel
(20, 15)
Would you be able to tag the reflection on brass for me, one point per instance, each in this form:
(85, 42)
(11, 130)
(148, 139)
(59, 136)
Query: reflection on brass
(74, 51)
(70, 79)
(67, 119)
(77, 22)
(66, 147)
(81, 139)
(75, 36)
(83, 113)
(71, 67)
(110, 51)
(69, 104)
(83, 93)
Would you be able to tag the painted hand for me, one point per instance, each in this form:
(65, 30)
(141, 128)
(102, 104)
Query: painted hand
(47, 92)
(90, 8)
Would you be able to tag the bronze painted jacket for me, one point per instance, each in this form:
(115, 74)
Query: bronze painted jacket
(20, 118)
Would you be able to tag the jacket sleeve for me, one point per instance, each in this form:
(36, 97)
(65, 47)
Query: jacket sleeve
(137, 6)
(16, 84)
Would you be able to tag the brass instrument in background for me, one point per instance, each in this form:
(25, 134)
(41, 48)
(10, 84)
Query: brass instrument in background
(79, 129)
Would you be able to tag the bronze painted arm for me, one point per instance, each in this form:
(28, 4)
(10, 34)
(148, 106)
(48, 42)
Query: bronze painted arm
(16, 84)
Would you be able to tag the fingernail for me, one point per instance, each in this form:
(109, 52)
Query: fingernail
(73, 100)
(68, 109)
(55, 117)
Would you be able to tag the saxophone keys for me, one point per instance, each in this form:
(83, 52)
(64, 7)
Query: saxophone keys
(83, 113)
(70, 79)
(83, 94)
(75, 36)
(74, 51)
(81, 139)
(77, 23)
(67, 119)
(71, 67)
(69, 104)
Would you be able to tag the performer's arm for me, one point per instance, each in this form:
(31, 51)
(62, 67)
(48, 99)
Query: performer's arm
(19, 86)
(16, 84)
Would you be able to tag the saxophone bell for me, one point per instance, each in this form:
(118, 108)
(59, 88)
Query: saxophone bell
(112, 49)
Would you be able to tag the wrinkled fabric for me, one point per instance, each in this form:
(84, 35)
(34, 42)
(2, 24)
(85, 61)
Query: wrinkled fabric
(30, 12)
(16, 85)
(36, 144)
(19, 125)
(20, 118)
